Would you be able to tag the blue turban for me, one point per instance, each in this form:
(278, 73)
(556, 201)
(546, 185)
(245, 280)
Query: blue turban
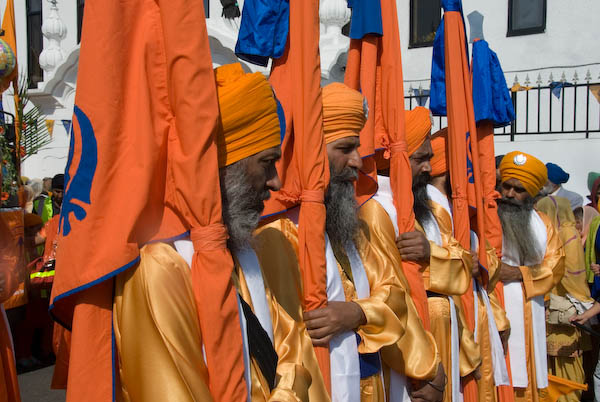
(556, 175)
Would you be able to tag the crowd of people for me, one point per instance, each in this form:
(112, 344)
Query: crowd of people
(382, 344)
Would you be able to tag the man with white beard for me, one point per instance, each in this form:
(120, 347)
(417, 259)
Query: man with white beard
(532, 264)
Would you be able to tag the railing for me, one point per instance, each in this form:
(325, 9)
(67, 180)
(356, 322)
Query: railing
(572, 110)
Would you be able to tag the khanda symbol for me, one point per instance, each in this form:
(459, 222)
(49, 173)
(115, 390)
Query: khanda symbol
(79, 187)
(470, 176)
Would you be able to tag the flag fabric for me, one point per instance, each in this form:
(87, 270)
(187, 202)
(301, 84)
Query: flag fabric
(392, 118)
(361, 75)
(451, 92)
(558, 387)
(142, 166)
(493, 108)
(303, 168)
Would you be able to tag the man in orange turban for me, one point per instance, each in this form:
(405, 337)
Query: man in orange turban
(369, 308)
(532, 264)
(156, 299)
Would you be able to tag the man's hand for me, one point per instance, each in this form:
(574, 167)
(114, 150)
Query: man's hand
(595, 269)
(429, 391)
(504, 335)
(324, 323)
(508, 273)
(414, 246)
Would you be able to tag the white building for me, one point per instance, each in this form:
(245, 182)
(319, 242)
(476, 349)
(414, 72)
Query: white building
(541, 43)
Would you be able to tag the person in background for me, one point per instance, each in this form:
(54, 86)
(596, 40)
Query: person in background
(28, 194)
(47, 185)
(49, 206)
(582, 319)
(583, 219)
(565, 343)
(594, 187)
(556, 178)
(498, 177)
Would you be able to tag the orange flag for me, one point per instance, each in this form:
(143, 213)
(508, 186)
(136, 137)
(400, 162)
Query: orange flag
(143, 165)
(361, 73)
(303, 169)
(558, 387)
(392, 113)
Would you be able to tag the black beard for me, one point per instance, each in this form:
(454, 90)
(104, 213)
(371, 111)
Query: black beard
(421, 205)
(242, 204)
(342, 209)
(517, 233)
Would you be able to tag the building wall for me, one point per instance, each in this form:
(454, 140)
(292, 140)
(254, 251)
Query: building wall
(569, 45)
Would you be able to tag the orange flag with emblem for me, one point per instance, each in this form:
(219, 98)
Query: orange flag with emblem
(142, 166)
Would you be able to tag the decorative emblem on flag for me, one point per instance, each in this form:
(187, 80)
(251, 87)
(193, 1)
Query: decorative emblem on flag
(520, 160)
(79, 187)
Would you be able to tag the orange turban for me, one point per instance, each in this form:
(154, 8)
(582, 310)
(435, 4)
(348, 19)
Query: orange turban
(529, 170)
(248, 114)
(439, 163)
(418, 127)
(343, 112)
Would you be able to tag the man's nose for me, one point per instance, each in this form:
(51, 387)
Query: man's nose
(355, 160)
(426, 167)
(274, 184)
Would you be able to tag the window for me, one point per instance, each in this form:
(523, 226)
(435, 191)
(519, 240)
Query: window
(526, 17)
(206, 8)
(35, 41)
(80, 4)
(425, 16)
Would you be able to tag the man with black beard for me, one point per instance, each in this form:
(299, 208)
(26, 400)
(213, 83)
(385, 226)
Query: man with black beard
(157, 332)
(447, 267)
(532, 264)
(366, 309)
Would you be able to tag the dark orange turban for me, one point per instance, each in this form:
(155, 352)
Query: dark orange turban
(418, 127)
(343, 112)
(248, 114)
(439, 164)
(529, 170)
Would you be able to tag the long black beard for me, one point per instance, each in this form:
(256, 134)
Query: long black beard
(421, 205)
(517, 232)
(342, 209)
(242, 204)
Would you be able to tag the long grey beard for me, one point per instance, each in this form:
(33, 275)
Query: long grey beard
(517, 231)
(242, 205)
(342, 209)
(421, 205)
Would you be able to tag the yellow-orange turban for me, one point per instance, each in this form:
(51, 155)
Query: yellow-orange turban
(418, 127)
(343, 112)
(248, 114)
(529, 170)
(439, 164)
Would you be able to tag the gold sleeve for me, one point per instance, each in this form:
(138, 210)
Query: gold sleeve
(449, 271)
(293, 380)
(157, 331)
(385, 308)
(502, 322)
(493, 263)
(540, 279)
(470, 355)
(415, 353)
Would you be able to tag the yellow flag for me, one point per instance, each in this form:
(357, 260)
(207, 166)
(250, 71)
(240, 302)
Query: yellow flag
(50, 127)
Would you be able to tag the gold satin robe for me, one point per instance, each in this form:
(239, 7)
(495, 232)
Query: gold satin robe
(449, 273)
(385, 309)
(537, 281)
(159, 342)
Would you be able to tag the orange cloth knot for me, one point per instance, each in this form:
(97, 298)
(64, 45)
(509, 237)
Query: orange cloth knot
(312, 196)
(208, 238)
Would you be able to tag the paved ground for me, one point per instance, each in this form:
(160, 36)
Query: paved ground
(35, 387)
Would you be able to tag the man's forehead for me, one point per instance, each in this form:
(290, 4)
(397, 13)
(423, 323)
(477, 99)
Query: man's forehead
(512, 182)
(424, 150)
(349, 141)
